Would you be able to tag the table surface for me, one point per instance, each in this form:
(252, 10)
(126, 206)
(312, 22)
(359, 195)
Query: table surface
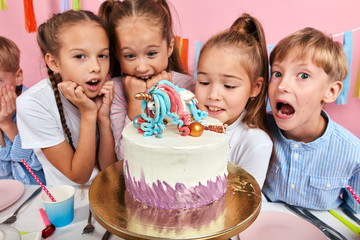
(29, 219)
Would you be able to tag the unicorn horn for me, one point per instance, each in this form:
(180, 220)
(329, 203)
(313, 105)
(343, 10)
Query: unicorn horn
(144, 96)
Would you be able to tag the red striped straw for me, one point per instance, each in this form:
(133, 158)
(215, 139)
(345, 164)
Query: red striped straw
(354, 194)
(38, 180)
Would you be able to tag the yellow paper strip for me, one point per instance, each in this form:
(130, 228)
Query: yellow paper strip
(357, 85)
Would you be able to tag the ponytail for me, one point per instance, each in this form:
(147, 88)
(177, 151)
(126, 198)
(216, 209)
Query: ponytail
(246, 36)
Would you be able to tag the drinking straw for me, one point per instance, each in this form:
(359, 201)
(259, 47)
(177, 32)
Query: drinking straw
(353, 193)
(347, 223)
(38, 180)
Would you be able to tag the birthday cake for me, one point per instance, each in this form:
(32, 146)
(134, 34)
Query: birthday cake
(170, 161)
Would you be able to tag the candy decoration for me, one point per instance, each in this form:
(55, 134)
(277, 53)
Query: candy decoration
(76, 5)
(50, 228)
(196, 129)
(3, 5)
(64, 5)
(30, 22)
(38, 180)
(353, 193)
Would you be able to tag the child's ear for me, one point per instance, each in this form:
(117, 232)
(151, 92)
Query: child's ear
(52, 62)
(333, 91)
(257, 87)
(171, 47)
(19, 77)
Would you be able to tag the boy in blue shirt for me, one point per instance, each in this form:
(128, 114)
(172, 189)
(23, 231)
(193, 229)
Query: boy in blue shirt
(315, 158)
(11, 153)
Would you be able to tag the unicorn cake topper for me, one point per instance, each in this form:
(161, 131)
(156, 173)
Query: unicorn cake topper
(166, 102)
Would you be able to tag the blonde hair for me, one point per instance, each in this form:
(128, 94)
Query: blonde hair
(246, 36)
(49, 40)
(156, 11)
(323, 50)
(9, 55)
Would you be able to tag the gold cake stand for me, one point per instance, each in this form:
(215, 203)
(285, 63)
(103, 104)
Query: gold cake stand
(116, 211)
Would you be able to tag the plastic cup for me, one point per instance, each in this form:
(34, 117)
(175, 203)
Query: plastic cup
(61, 212)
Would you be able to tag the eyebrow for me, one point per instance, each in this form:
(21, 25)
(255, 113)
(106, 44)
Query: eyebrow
(85, 50)
(223, 75)
(150, 46)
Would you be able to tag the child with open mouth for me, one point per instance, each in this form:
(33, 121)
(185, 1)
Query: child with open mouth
(315, 158)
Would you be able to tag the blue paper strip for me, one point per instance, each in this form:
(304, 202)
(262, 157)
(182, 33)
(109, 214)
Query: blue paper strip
(271, 47)
(348, 45)
(197, 55)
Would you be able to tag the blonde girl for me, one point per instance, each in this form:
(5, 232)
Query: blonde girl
(65, 117)
(231, 86)
(145, 52)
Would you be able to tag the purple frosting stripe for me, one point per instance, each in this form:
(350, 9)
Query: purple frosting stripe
(162, 195)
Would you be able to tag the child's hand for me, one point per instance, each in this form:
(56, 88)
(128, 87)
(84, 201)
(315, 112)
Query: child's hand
(7, 105)
(133, 85)
(104, 100)
(164, 75)
(76, 95)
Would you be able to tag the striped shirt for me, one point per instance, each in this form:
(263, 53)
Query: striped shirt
(10, 160)
(315, 175)
(118, 110)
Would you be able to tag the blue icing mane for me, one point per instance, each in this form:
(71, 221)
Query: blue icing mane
(166, 100)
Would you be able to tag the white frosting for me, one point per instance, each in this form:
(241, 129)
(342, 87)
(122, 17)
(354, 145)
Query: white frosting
(175, 158)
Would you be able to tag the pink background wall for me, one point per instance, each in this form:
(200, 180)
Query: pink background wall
(198, 20)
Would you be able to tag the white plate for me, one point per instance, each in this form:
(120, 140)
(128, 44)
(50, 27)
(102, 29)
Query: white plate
(279, 226)
(8, 232)
(10, 191)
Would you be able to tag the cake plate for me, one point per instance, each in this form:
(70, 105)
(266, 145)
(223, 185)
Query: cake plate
(116, 211)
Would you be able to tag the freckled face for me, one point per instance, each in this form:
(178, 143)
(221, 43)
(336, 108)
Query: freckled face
(223, 86)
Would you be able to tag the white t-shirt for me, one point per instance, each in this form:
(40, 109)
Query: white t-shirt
(250, 148)
(40, 126)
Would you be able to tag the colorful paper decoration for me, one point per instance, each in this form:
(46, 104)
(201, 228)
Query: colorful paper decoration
(197, 55)
(179, 44)
(184, 54)
(76, 5)
(342, 98)
(183, 45)
(3, 5)
(64, 5)
(30, 22)
(356, 93)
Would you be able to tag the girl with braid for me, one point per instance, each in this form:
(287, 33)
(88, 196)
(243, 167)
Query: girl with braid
(145, 52)
(65, 117)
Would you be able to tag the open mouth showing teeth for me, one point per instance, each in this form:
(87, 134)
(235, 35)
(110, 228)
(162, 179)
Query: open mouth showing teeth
(214, 109)
(284, 108)
(93, 82)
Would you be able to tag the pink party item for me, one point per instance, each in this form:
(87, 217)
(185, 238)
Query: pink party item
(38, 180)
(354, 194)
(50, 228)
